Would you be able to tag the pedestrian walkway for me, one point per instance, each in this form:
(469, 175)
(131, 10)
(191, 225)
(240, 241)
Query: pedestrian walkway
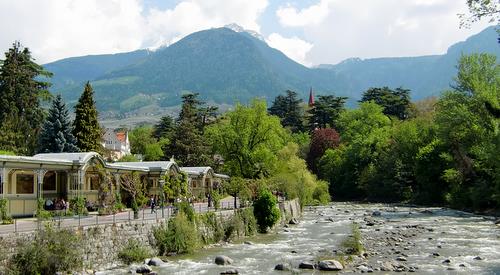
(161, 214)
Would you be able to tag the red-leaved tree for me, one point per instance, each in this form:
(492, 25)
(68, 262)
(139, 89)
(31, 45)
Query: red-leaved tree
(322, 139)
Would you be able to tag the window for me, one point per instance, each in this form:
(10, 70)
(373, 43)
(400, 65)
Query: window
(25, 184)
(49, 181)
(94, 182)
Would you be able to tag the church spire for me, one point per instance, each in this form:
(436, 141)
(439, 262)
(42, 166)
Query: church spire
(311, 98)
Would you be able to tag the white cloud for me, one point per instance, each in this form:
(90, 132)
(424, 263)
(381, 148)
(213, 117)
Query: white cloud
(55, 29)
(312, 15)
(382, 28)
(293, 47)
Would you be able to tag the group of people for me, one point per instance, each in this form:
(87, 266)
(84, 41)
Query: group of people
(57, 204)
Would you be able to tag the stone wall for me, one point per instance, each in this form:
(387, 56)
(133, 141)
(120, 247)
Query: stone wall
(102, 243)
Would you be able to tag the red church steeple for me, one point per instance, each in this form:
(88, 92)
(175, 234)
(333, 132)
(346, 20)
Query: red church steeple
(311, 98)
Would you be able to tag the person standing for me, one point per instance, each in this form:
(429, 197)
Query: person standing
(152, 204)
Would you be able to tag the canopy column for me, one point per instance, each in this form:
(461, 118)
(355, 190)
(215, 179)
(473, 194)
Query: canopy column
(3, 178)
(40, 174)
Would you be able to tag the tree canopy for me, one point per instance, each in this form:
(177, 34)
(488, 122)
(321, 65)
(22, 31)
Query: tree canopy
(326, 111)
(288, 108)
(395, 102)
(86, 127)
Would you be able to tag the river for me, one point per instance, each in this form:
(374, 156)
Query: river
(426, 241)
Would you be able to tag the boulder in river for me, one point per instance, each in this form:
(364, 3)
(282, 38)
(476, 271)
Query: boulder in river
(223, 260)
(478, 258)
(248, 243)
(307, 265)
(282, 267)
(143, 269)
(230, 271)
(401, 259)
(447, 261)
(330, 265)
(156, 262)
(376, 213)
(293, 221)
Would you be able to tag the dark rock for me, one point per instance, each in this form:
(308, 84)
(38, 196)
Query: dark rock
(370, 223)
(376, 213)
(286, 225)
(462, 265)
(447, 261)
(426, 211)
(435, 254)
(248, 242)
(307, 265)
(143, 269)
(478, 258)
(230, 271)
(282, 267)
(293, 221)
(156, 262)
(293, 252)
(401, 259)
(223, 260)
(450, 268)
(330, 265)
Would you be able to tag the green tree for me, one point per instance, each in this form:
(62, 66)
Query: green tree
(248, 139)
(164, 128)
(480, 9)
(238, 188)
(266, 211)
(326, 111)
(395, 102)
(56, 136)
(144, 143)
(86, 127)
(20, 92)
(187, 146)
(288, 108)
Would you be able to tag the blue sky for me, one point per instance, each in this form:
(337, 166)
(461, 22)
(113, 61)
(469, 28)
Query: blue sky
(311, 32)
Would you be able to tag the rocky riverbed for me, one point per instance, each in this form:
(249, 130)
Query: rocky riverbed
(395, 239)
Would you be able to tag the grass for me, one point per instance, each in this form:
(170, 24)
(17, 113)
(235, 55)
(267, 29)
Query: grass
(352, 245)
(134, 252)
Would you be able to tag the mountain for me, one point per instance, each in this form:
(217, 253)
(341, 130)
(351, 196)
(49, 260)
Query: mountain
(228, 65)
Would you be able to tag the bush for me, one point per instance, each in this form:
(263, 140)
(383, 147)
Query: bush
(186, 208)
(179, 237)
(265, 211)
(41, 213)
(4, 217)
(352, 244)
(77, 206)
(51, 251)
(134, 252)
(210, 228)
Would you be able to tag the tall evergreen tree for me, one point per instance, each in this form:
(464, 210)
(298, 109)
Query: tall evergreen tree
(395, 102)
(188, 146)
(20, 92)
(86, 128)
(164, 128)
(326, 111)
(287, 108)
(56, 136)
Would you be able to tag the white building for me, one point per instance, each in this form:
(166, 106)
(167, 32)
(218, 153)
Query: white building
(116, 142)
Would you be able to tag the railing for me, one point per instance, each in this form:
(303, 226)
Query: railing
(145, 214)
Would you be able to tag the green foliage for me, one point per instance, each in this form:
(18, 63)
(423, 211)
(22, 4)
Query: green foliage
(128, 158)
(7, 153)
(288, 109)
(142, 142)
(179, 236)
(41, 213)
(395, 102)
(134, 252)
(238, 188)
(186, 208)
(326, 111)
(188, 146)
(77, 206)
(86, 127)
(51, 251)
(132, 183)
(352, 244)
(213, 228)
(176, 186)
(266, 211)
(20, 93)
(164, 128)
(56, 136)
(248, 139)
(292, 178)
(4, 216)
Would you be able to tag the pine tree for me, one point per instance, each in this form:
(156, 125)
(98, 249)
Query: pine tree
(86, 128)
(164, 127)
(20, 92)
(288, 109)
(326, 111)
(56, 136)
(188, 146)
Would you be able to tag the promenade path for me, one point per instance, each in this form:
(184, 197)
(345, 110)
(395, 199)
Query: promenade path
(160, 215)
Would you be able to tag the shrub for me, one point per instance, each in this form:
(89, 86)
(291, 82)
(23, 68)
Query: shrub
(77, 206)
(179, 237)
(352, 244)
(210, 228)
(41, 213)
(51, 251)
(4, 217)
(249, 221)
(186, 208)
(265, 211)
(134, 252)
